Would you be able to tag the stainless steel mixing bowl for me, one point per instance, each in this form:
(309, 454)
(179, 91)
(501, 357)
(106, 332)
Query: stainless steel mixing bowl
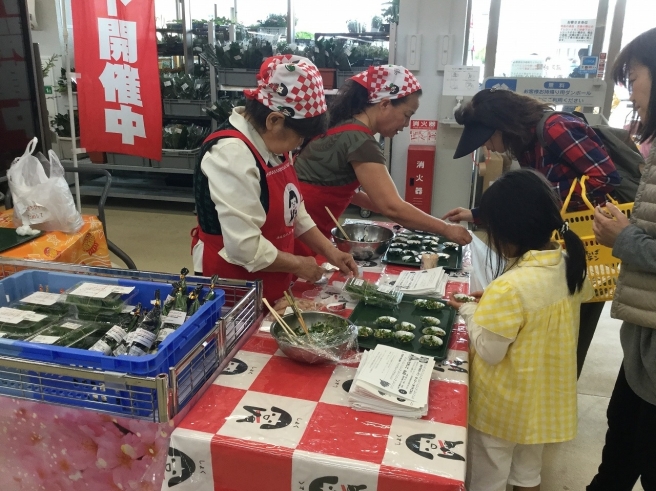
(367, 242)
(307, 354)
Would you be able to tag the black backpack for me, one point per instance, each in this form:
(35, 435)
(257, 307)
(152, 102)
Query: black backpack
(622, 151)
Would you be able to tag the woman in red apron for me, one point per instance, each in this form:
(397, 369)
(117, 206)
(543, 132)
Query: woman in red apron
(249, 204)
(332, 168)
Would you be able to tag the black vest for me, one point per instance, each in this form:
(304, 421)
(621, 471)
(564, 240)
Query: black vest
(208, 219)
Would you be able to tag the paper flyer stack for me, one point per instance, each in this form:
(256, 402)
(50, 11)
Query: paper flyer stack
(393, 382)
(423, 282)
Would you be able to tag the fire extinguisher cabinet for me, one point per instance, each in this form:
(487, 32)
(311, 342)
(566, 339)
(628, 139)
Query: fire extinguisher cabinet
(419, 176)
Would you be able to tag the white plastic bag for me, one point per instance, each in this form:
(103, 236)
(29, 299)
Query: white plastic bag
(42, 202)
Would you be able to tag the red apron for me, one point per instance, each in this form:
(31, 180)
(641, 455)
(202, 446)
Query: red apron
(336, 198)
(278, 227)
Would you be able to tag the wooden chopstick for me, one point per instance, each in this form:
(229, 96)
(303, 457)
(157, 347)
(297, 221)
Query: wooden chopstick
(338, 225)
(277, 316)
(299, 315)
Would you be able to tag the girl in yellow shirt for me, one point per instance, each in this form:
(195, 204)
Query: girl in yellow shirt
(523, 335)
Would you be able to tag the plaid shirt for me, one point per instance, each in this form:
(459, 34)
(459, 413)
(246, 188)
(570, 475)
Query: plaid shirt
(573, 150)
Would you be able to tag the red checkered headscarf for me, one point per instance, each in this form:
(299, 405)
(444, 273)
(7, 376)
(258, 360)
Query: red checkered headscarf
(387, 82)
(291, 85)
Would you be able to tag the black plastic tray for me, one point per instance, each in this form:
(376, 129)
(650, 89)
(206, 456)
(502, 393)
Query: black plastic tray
(365, 315)
(453, 263)
(10, 239)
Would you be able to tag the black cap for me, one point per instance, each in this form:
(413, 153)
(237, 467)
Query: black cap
(474, 135)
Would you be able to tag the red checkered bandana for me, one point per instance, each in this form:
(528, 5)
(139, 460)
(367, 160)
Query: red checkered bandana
(291, 85)
(387, 82)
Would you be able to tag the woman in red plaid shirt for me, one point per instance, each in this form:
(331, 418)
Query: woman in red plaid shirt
(506, 122)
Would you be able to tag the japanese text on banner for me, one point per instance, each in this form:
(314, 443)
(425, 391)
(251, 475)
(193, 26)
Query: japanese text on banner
(119, 93)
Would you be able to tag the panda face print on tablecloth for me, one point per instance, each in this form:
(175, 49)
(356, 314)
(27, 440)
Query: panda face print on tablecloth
(454, 369)
(320, 472)
(241, 372)
(235, 367)
(179, 467)
(426, 445)
(337, 388)
(268, 419)
(332, 483)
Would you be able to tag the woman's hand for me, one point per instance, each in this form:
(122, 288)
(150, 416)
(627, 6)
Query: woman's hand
(457, 234)
(344, 261)
(456, 305)
(308, 269)
(459, 215)
(607, 227)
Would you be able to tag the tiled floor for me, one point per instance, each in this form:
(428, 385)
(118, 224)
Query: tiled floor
(156, 236)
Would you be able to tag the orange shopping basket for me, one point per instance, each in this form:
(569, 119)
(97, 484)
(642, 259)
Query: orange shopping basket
(603, 267)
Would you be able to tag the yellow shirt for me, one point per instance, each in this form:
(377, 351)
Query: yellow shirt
(530, 396)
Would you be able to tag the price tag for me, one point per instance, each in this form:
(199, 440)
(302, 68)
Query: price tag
(123, 290)
(167, 84)
(237, 57)
(386, 289)
(42, 298)
(11, 316)
(185, 86)
(97, 290)
(31, 316)
(178, 130)
(175, 317)
(45, 339)
(71, 325)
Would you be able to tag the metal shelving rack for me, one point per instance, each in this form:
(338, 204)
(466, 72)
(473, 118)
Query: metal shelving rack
(150, 183)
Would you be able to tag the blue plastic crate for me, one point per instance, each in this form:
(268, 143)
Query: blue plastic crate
(174, 348)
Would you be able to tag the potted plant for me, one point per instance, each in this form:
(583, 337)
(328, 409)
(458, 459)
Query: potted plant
(329, 55)
(61, 125)
(237, 63)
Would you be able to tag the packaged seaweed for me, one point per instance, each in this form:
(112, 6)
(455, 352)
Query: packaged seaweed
(116, 335)
(146, 332)
(173, 320)
(95, 298)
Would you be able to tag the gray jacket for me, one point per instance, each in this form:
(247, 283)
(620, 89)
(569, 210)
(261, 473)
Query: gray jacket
(635, 297)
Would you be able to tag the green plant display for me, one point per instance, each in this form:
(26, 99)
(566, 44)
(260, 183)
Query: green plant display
(250, 54)
(49, 65)
(183, 137)
(390, 12)
(186, 87)
(61, 82)
(222, 109)
(61, 124)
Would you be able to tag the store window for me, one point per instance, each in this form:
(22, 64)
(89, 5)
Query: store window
(478, 26)
(528, 42)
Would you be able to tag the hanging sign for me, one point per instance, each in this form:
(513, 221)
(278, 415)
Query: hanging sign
(119, 101)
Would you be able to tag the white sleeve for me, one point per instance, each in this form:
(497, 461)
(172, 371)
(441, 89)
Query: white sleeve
(234, 181)
(303, 221)
(490, 346)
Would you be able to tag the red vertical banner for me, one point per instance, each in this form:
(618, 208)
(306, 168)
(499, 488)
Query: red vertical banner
(119, 101)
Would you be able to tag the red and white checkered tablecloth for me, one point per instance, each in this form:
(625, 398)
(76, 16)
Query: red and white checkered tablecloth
(270, 423)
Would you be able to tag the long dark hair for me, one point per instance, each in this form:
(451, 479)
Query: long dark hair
(641, 50)
(522, 210)
(516, 116)
(305, 128)
(351, 99)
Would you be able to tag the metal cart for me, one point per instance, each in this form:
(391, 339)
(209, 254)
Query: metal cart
(166, 396)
